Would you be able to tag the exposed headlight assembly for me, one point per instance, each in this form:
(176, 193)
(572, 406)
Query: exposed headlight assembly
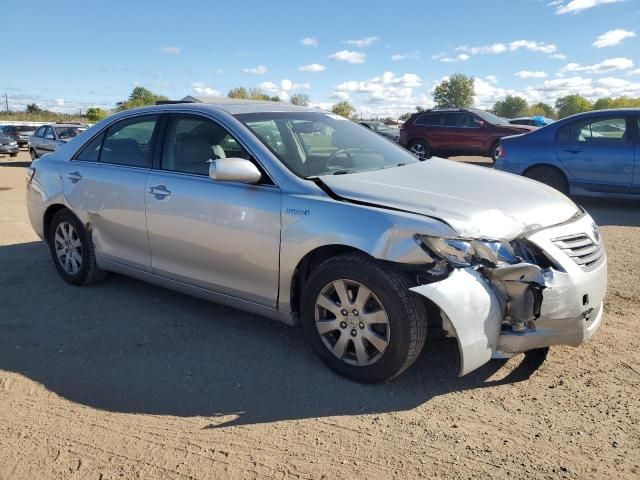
(467, 252)
(11, 144)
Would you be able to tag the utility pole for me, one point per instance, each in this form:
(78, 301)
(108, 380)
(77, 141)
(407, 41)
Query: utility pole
(6, 102)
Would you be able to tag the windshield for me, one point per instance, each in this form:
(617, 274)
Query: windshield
(491, 118)
(313, 143)
(65, 133)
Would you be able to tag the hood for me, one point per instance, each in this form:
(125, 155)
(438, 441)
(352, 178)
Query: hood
(476, 201)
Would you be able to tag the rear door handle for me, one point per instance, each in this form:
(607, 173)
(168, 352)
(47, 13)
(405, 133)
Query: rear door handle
(74, 176)
(159, 191)
(572, 150)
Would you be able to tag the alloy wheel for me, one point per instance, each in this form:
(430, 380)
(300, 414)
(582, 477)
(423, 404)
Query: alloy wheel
(68, 248)
(352, 322)
(418, 150)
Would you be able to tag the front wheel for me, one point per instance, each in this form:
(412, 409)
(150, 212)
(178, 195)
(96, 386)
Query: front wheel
(13, 155)
(361, 318)
(33, 154)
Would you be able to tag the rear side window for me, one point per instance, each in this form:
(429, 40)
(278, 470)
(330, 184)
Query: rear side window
(430, 119)
(91, 153)
(601, 130)
(129, 142)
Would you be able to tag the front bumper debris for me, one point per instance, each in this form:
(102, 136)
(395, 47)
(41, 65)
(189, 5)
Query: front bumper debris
(515, 308)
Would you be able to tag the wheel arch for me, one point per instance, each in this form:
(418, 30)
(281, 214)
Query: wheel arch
(48, 217)
(308, 263)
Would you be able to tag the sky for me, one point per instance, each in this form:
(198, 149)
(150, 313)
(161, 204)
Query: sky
(384, 57)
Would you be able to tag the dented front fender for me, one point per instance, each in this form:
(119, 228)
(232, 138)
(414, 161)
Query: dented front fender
(471, 313)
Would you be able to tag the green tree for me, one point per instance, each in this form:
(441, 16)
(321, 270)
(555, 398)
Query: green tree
(238, 92)
(139, 97)
(512, 106)
(344, 109)
(33, 108)
(603, 103)
(405, 116)
(300, 99)
(572, 104)
(542, 109)
(457, 91)
(95, 114)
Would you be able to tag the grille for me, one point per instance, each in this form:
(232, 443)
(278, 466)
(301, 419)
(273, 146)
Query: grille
(581, 249)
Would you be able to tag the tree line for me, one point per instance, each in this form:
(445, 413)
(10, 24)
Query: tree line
(458, 91)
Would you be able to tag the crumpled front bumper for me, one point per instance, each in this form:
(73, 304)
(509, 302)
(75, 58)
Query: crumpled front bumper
(475, 312)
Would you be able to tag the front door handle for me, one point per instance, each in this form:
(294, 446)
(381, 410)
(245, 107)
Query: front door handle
(572, 150)
(159, 191)
(74, 176)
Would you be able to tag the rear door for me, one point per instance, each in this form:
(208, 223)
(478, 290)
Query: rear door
(598, 152)
(106, 183)
(221, 236)
(635, 184)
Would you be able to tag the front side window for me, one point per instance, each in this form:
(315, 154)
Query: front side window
(192, 143)
(601, 130)
(49, 134)
(129, 142)
(67, 133)
(40, 132)
(314, 143)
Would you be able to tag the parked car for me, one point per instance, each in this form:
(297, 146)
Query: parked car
(303, 216)
(8, 145)
(594, 153)
(48, 138)
(20, 133)
(382, 129)
(450, 132)
(535, 121)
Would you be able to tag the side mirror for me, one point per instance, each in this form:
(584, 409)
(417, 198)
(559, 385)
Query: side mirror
(234, 170)
(478, 123)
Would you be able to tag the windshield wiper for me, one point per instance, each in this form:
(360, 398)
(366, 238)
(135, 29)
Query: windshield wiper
(342, 172)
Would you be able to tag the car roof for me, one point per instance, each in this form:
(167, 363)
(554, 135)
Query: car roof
(79, 125)
(612, 111)
(232, 106)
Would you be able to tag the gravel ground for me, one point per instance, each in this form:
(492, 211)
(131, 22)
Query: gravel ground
(126, 380)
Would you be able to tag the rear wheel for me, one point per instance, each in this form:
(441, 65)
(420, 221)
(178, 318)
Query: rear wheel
(420, 149)
(13, 155)
(495, 152)
(549, 176)
(361, 318)
(72, 250)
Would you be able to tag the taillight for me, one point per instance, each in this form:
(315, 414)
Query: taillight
(31, 172)
(500, 151)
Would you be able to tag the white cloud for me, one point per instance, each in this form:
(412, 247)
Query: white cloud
(388, 88)
(530, 74)
(575, 6)
(284, 88)
(363, 42)
(259, 70)
(170, 50)
(559, 56)
(406, 56)
(498, 48)
(348, 56)
(491, 79)
(461, 57)
(608, 65)
(59, 102)
(612, 37)
(309, 41)
(313, 67)
(202, 89)
(634, 72)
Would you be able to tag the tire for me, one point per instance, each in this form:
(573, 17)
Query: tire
(549, 176)
(13, 155)
(493, 153)
(33, 154)
(420, 148)
(73, 247)
(389, 300)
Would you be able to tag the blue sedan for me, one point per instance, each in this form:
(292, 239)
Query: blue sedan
(593, 154)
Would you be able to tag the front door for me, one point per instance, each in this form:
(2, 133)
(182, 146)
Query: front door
(222, 236)
(598, 152)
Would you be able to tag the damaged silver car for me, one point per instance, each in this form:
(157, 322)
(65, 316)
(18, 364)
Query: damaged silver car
(305, 217)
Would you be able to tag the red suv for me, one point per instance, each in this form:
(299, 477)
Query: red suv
(450, 132)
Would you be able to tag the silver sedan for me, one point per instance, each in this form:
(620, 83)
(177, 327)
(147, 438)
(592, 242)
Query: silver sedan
(305, 217)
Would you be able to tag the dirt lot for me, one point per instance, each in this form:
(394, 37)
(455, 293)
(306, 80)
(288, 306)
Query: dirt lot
(126, 380)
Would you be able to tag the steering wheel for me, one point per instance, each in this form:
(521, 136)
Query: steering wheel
(336, 154)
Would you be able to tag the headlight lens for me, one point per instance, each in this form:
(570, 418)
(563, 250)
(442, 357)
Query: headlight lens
(13, 143)
(465, 252)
